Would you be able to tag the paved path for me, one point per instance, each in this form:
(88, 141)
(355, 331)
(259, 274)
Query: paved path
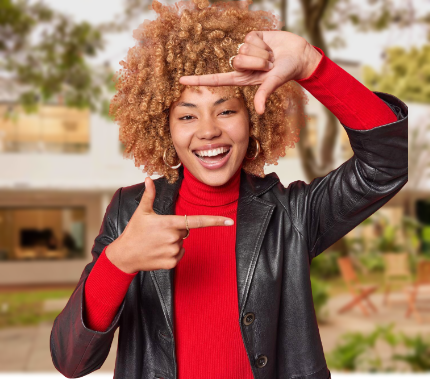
(26, 349)
(354, 320)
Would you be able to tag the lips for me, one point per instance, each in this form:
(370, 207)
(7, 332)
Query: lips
(214, 162)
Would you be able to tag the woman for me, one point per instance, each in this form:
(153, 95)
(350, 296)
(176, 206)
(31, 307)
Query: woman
(206, 269)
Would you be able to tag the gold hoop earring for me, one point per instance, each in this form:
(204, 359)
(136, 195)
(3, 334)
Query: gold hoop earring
(257, 146)
(165, 161)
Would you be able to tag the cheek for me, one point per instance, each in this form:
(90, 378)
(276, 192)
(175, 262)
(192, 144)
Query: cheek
(181, 137)
(240, 135)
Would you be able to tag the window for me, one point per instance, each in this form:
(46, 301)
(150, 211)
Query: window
(42, 233)
(53, 128)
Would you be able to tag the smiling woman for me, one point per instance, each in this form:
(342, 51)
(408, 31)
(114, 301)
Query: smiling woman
(197, 42)
(206, 269)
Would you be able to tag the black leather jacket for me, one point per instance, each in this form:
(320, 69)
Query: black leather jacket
(279, 231)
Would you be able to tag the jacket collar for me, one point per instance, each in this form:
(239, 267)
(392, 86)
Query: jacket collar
(166, 194)
(253, 217)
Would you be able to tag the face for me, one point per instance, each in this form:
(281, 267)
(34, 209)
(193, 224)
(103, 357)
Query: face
(210, 132)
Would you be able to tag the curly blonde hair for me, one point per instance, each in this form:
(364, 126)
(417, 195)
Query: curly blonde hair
(195, 38)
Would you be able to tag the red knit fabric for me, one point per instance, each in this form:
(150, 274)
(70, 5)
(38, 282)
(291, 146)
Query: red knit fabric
(104, 292)
(208, 268)
(351, 102)
(207, 331)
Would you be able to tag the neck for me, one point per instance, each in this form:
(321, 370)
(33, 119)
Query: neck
(199, 193)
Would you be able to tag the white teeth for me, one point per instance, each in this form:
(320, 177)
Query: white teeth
(213, 152)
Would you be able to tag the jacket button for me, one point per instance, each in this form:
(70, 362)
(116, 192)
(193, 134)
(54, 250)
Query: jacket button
(261, 361)
(249, 318)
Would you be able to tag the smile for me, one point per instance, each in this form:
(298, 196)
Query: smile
(214, 158)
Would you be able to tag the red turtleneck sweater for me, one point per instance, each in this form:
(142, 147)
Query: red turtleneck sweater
(208, 267)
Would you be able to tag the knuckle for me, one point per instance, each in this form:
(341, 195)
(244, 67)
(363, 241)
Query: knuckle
(199, 222)
(170, 263)
(250, 36)
(215, 79)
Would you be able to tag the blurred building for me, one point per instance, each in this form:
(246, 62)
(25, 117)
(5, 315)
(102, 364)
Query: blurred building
(59, 168)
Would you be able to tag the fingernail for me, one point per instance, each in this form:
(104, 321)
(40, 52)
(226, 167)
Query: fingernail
(228, 222)
(270, 65)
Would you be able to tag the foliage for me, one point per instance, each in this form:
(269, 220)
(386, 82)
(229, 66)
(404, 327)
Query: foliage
(325, 265)
(418, 356)
(405, 74)
(358, 351)
(372, 261)
(320, 297)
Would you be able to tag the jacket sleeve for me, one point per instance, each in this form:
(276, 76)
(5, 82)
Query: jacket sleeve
(331, 206)
(77, 350)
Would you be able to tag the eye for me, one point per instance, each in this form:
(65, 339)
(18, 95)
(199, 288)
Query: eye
(185, 119)
(228, 111)
(223, 112)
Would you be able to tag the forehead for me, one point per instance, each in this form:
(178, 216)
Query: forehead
(203, 95)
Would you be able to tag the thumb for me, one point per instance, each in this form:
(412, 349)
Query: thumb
(148, 196)
(264, 91)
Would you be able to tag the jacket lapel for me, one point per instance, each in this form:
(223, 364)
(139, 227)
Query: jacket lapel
(253, 216)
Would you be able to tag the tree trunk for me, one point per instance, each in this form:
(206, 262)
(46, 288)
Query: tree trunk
(313, 12)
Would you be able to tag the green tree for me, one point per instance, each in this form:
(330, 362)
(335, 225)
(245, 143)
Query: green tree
(405, 74)
(46, 53)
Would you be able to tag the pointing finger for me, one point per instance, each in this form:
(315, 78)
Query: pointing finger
(221, 79)
(204, 221)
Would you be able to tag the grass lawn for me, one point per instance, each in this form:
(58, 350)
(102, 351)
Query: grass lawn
(26, 308)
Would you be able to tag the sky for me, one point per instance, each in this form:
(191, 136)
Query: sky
(365, 48)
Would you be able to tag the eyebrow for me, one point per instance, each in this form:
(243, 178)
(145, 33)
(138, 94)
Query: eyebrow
(191, 105)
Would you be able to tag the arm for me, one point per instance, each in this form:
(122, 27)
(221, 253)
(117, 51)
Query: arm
(76, 349)
(104, 292)
(350, 101)
(331, 206)
(376, 124)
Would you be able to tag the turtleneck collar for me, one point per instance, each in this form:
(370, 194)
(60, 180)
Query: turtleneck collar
(196, 192)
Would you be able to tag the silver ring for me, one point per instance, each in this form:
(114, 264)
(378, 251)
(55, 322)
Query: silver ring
(239, 47)
(230, 60)
(188, 229)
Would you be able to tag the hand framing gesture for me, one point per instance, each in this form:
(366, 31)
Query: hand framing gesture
(268, 58)
(151, 241)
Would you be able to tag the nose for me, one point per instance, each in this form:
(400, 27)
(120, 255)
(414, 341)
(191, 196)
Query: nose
(208, 130)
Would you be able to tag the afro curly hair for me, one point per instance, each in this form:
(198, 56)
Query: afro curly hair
(196, 38)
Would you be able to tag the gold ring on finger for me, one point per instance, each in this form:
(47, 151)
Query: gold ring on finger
(230, 61)
(188, 229)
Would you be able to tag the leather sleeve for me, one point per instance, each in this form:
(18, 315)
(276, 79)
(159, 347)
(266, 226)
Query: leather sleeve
(331, 206)
(77, 350)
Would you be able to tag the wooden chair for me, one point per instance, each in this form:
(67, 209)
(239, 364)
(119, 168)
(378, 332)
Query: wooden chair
(397, 271)
(420, 286)
(360, 292)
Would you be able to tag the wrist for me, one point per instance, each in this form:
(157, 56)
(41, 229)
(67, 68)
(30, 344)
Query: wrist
(312, 58)
(115, 253)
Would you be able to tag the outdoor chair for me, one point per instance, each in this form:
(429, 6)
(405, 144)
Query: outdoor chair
(397, 271)
(360, 292)
(421, 286)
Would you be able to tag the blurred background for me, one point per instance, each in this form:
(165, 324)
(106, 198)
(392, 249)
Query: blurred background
(61, 161)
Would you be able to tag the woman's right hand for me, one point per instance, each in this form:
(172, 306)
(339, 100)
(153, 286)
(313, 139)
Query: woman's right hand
(151, 241)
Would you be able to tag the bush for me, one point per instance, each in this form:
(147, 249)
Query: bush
(320, 297)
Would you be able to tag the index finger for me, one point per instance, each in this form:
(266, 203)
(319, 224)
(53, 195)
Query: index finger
(202, 221)
(220, 79)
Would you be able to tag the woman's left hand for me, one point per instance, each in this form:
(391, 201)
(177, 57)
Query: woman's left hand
(269, 58)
